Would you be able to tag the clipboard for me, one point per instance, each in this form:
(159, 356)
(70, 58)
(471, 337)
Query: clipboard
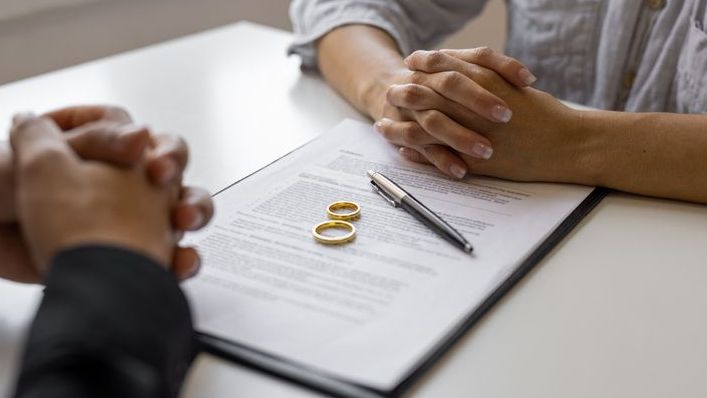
(315, 380)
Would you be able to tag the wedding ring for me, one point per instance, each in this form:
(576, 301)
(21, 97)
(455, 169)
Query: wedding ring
(353, 214)
(334, 240)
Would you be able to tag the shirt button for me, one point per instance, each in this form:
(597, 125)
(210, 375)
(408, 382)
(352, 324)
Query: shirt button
(655, 4)
(629, 78)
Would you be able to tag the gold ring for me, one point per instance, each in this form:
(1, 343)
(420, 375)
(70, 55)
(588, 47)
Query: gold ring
(334, 240)
(353, 214)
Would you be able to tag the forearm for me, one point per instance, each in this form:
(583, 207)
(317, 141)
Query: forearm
(360, 62)
(654, 154)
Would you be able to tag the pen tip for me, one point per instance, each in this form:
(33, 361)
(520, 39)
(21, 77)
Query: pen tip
(370, 173)
(468, 248)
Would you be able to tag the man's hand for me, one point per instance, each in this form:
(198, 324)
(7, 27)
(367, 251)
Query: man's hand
(444, 93)
(105, 134)
(64, 201)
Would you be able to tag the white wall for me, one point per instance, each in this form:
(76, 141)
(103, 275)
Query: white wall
(54, 39)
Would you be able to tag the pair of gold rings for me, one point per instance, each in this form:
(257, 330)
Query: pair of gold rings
(338, 220)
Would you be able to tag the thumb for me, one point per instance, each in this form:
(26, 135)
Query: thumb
(37, 143)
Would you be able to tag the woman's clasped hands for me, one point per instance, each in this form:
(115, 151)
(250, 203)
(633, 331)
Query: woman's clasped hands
(473, 111)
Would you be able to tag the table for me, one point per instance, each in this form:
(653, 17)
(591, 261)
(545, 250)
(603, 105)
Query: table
(617, 310)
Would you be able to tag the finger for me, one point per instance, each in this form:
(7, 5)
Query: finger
(185, 263)
(445, 160)
(38, 145)
(17, 264)
(415, 96)
(451, 133)
(419, 98)
(194, 210)
(460, 88)
(72, 117)
(509, 68)
(404, 133)
(168, 160)
(122, 145)
(479, 92)
(410, 135)
(413, 155)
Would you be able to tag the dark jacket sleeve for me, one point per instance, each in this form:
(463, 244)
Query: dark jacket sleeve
(112, 323)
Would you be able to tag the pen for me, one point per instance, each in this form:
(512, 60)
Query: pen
(397, 196)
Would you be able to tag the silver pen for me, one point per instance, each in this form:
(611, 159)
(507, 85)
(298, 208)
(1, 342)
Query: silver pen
(398, 197)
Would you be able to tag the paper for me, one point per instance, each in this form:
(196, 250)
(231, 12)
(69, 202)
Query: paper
(368, 311)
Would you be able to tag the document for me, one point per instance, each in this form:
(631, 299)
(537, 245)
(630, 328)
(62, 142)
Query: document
(368, 311)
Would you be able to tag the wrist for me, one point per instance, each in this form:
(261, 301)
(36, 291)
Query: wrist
(371, 93)
(592, 154)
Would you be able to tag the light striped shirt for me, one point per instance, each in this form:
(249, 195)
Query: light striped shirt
(632, 55)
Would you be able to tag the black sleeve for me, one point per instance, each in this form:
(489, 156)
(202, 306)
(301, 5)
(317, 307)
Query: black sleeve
(112, 323)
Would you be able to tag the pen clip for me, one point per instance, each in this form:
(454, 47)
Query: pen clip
(383, 194)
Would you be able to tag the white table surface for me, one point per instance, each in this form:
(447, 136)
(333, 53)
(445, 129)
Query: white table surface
(619, 309)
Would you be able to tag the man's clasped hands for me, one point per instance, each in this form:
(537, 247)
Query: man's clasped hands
(89, 175)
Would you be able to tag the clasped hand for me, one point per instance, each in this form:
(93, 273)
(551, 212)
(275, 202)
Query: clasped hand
(474, 111)
(88, 175)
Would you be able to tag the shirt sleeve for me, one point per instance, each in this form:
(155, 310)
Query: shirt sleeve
(112, 323)
(413, 24)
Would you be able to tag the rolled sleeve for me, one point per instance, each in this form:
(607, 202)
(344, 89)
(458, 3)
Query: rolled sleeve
(413, 24)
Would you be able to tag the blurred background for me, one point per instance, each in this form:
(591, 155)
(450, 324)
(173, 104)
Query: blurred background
(38, 36)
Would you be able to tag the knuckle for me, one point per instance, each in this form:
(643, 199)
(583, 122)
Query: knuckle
(417, 78)
(431, 120)
(417, 57)
(410, 94)
(116, 113)
(434, 59)
(483, 53)
(451, 80)
(96, 135)
(415, 156)
(43, 161)
(409, 135)
(27, 124)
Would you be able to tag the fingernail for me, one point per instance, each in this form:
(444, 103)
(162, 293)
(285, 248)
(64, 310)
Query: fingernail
(129, 129)
(121, 140)
(194, 269)
(169, 170)
(527, 77)
(22, 117)
(197, 221)
(501, 113)
(482, 151)
(378, 126)
(457, 171)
